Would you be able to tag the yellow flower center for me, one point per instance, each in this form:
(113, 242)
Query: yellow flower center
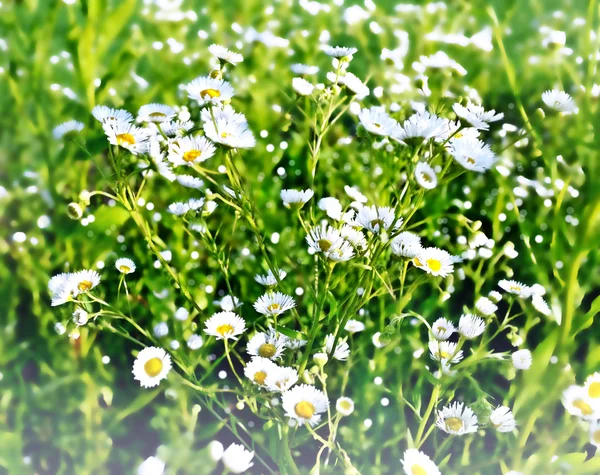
(426, 178)
(444, 354)
(454, 424)
(224, 135)
(273, 307)
(515, 288)
(124, 269)
(594, 390)
(377, 222)
(157, 114)
(153, 367)
(434, 264)
(84, 285)
(583, 406)
(471, 161)
(377, 125)
(417, 262)
(191, 155)
(458, 135)
(596, 436)
(325, 244)
(259, 377)
(304, 409)
(267, 350)
(418, 470)
(224, 329)
(210, 93)
(125, 139)
(346, 405)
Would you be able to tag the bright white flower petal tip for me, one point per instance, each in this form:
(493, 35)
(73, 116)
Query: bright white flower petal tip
(237, 459)
(559, 101)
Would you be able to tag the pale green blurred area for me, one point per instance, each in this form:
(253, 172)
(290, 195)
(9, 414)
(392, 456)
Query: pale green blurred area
(62, 410)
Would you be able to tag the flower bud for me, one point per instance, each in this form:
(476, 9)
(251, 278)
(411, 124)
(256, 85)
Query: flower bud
(74, 211)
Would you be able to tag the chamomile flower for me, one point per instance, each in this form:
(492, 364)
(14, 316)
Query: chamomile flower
(207, 90)
(151, 366)
(342, 253)
(540, 304)
(190, 181)
(592, 387)
(305, 403)
(84, 281)
(516, 288)
(340, 52)
(237, 459)
(495, 296)
(406, 244)
(415, 462)
(178, 208)
(125, 265)
(522, 359)
(304, 69)
(302, 87)
(377, 218)
(128, 136)
(442, 329)
(502, 419)
(229, 131)
(106, 114)
(331, 206)
(66, 129)
(259, 369)
(274, 303)
(434, 261)
(472, 154)
(176, 128)
(224, 55)
(229, 303)
(155, 113)
(476, 115)
(377, 121)
(190, 151)
(425, 176)
(559, 101)
(80, 317)
(578, 403)
(62, 289)
(295, 199)
(355, 237)
(445, 351)
(354, 326)
(457, 419)
(267, 345)
(270, 280)
(471, 326)
(282, 379)
(354, 85)
(422, 125)
(345, 406)
(342, 349)
(323, 238)
(485, 306)
(225, 326)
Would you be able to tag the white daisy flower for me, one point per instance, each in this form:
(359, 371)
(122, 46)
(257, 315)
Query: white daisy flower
(345, 406)
(377, 121)
(495, 296)
(439, 60)
(304, 69)
(354, 326)
(457, 419)
(267, 345)
(295, 199)
(577, 403)
(540, 305)
(472, 154)
(516, 288)
(355, 194)
(485, 306)
(181, 314)
(125, 265)
(559, 101)
(354, 237)
(415, 462)
(377, 341)
(354, 85)
(406, 244)
(282, 379)
(69, 128)
(502, 419)
(190, 181)
(425, 176)
(178, 208)
(105, 114)
(377, 218)
(128, 136)
(225, 326)
(442, 329)
(445, 351)
(342, 349)
(84, 281)
(151, 366)
(80, 317)
(259, 369)
(155, 113)
(342, 253)
(522, 359)
(224, 55)
(228, 130)
(274, 303)
(237, 459)
(157, 156)
(62, 289)
(340, 52)
(190, 150)
(471, 326)
(422, 125)
(194, 342)
(332, 207)
(270, 280)
(592, 387)
(305, 403)
(476, 115)
(229, 303)
(176, 128)
(302, 87)
(206, 90)
(435, 261)
(151, 466)
(324, 238)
